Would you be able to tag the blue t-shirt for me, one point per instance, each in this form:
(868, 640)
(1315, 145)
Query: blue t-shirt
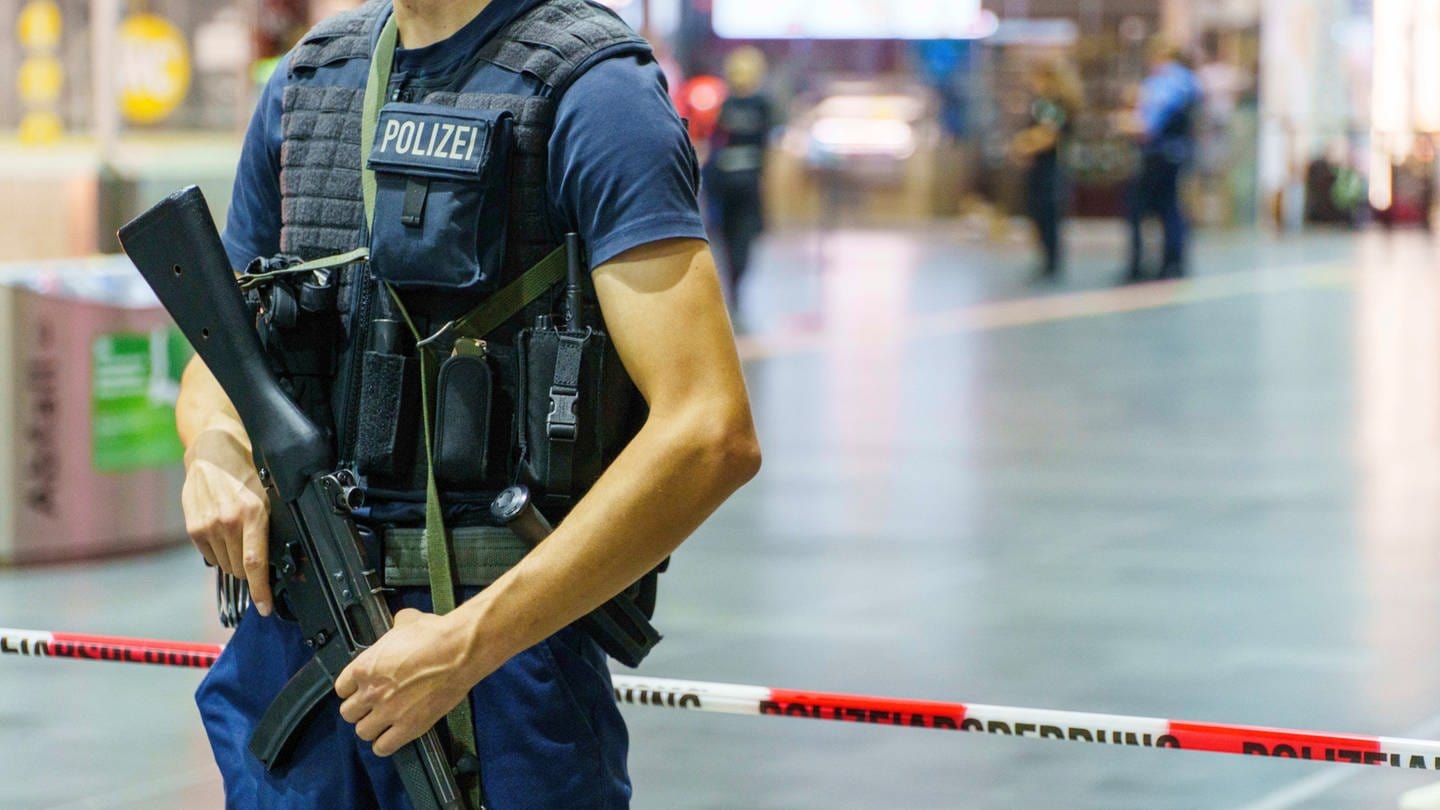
(1165, 95)
(621, 169)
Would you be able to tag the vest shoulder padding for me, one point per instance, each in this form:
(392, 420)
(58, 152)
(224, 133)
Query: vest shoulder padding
(344, 36)
(558, 40)
(534, 115)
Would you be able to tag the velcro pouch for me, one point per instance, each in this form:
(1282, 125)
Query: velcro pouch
(578, 409)
(390, 389)
(465, 393)
(440, 212)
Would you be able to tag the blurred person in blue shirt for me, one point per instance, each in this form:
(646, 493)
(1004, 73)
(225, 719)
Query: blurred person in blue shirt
(1163, 124)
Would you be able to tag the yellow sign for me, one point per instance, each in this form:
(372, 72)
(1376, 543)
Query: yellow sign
(40, 127)
(41, 79)
(154, 68)
(39, 25)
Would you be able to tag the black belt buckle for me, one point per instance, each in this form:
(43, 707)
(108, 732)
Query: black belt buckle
(560, 424)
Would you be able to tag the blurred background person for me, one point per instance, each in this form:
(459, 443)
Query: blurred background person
(1163, 124)
(1335, 192)
(735, 168)
(1413, 187)
(1056, 103)
(1223, 133)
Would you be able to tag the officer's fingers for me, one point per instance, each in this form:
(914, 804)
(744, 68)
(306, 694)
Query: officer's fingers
(370, 728)
(392, 740)
(255, 560)
(205, 542)
(223, 531)
(349, 681)
(202, 544)
(406, 616)
(198, 520)
(353, 710)
(233, 549)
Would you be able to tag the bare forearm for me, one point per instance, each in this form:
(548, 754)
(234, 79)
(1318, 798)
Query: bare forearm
(225, 505)
(203, 406)
(697, 447)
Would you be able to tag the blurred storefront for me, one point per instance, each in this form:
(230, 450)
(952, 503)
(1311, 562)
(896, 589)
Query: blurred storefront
(1316, 68)
(889, 112)
(89, 374)
(114, 104)
(1404, 107)
(968, 82)
(1351, 112)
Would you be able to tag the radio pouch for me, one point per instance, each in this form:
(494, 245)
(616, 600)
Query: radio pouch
(576, 409)
(440, 211)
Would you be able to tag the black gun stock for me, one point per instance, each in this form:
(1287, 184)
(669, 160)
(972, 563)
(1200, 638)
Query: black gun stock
(319, 575)
(177, 250)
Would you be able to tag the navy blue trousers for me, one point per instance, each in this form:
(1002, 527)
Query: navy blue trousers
(1046, 197)
(547, 727)
(737, 202)
(1156, 191)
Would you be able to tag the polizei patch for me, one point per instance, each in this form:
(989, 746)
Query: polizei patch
(433, 139)
(444, 140)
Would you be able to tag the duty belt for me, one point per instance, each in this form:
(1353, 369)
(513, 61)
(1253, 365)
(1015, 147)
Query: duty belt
(482, 555)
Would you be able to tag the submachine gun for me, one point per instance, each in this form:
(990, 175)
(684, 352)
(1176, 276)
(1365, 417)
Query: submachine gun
(320, 577)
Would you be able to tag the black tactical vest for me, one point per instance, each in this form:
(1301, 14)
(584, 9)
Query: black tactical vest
(322, 210)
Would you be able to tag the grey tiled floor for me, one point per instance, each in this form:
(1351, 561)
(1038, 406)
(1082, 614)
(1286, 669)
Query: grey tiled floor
(1217, 501)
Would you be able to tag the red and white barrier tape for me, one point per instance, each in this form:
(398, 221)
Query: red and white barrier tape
(45, 644)
(1103, 729)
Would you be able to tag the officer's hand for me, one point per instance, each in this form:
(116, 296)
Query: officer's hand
(227, 514)
(400, 687)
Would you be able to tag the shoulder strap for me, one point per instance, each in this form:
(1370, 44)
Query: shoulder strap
(375, 85)
(504, 304)
(438, 554)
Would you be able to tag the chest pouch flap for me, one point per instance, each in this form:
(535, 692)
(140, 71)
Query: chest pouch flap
(440, 213)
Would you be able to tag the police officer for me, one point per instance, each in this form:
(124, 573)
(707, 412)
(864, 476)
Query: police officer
(594, 147)
(1163, 126)
(1057, 97)
(735, 172)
